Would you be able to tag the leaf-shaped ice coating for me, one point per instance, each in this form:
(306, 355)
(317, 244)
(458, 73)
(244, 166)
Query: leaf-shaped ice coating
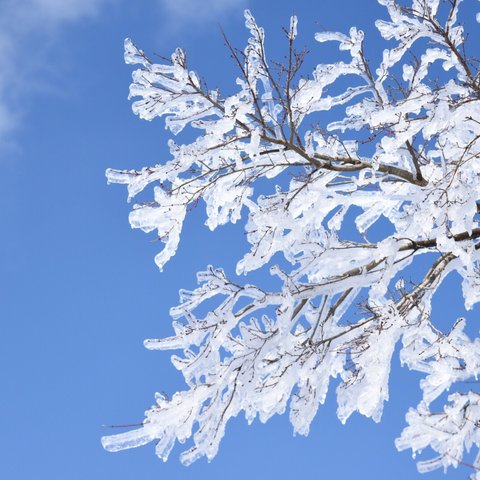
(360, 221)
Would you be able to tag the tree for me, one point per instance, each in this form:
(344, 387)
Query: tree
(401, 164)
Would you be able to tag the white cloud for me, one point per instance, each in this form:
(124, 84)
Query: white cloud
(29, 15)
(64, 10)
(19, 20)
(189, 11)
(22, 20)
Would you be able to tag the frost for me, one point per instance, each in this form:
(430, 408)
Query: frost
(399, 161)
(292, 34)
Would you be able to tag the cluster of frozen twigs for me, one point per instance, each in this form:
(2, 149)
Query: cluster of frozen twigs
(404, 153)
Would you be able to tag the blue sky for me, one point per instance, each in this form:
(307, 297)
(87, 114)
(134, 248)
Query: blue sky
(79, 289)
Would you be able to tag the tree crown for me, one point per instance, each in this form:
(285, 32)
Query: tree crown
(401, 157)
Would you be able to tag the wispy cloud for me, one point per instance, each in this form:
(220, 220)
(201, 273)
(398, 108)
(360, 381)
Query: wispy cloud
(43, 20)
(194, 11)
(38, 14)
(19, 21)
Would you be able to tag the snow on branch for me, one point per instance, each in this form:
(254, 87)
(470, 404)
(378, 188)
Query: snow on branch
(401, 157)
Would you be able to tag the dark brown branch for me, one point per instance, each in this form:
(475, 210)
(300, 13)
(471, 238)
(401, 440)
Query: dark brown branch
(460, 237)
(413, 153)
(347, 164)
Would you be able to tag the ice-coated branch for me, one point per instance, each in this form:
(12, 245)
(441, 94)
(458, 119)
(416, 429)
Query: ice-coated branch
(400, 163)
